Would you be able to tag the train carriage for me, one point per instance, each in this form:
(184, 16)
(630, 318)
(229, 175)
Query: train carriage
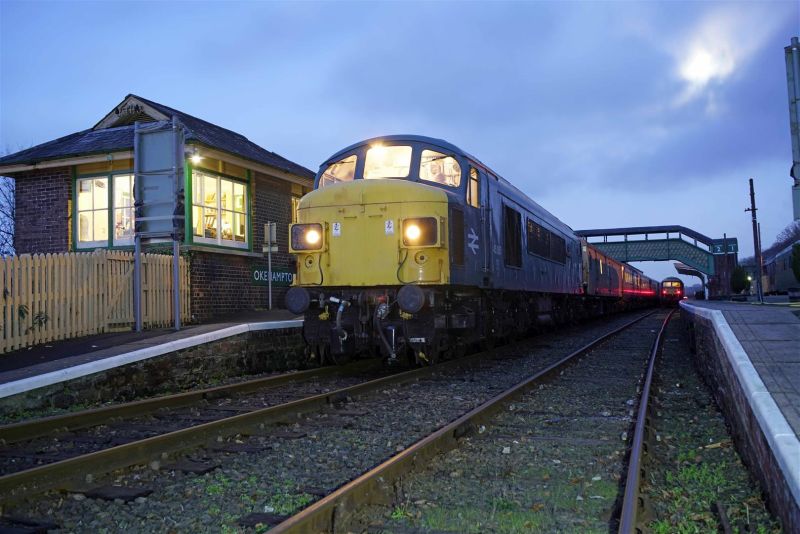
(408, 245)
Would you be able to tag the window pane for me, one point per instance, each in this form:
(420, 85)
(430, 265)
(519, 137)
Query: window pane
(210, 223)
(210, 191)
(387, 162)
(84, 195)
(227, 225)
(197, 217)
(85, 226)
(123, 224)
(439, 168)
(197, 187)
(240, 222)
(123, 192)
(341, 171)
(238, 197)
(473, 196)
(100, 193)
(226, 194)
(100, 225)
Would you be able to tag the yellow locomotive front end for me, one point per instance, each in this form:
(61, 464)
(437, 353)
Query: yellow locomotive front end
(371, 234)
(372, 250)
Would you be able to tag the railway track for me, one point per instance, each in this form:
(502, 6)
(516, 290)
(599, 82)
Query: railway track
(316, 443)
(529, 428)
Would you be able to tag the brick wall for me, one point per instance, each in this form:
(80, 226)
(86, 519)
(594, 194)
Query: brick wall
(42, 210)
(221, 283)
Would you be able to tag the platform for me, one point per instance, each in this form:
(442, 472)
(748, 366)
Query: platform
(51, 363)
(757, 348)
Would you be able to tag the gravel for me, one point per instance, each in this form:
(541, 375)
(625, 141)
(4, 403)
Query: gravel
(328, 449)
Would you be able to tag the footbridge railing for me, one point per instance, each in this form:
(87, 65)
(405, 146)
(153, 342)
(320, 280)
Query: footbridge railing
(663, 243)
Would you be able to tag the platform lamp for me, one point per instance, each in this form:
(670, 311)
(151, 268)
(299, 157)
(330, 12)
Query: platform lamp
(756, 242)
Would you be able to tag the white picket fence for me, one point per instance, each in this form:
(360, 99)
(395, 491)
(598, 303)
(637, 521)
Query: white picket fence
(47, 297)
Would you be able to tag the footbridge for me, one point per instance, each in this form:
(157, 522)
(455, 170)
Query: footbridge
(715, 258)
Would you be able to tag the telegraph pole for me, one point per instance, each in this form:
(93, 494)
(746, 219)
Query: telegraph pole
(756, 242)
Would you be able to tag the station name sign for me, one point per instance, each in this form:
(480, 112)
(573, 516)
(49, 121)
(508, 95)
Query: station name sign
(260, 277)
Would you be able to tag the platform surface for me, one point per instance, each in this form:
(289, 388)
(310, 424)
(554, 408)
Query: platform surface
(770, 335)
(61, 360)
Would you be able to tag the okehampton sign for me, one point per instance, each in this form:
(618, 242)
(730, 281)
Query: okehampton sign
(260, 277)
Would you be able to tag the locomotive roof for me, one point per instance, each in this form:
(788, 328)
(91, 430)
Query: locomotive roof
(450, 147)
(672, 279)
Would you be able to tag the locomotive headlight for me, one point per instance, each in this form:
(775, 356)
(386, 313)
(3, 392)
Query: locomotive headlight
(421, 232)
(313, 237)
(412, 232)
(306, 236)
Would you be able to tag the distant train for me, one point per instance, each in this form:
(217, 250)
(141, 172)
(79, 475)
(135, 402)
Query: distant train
(778, 275)
(672, 291)
(409, 247)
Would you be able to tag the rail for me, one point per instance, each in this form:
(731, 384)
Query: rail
(631, 501)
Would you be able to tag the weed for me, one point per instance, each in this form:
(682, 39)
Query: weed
(399, 513)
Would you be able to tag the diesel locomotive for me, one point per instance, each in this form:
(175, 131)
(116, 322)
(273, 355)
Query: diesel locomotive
(672, 291)
(409, 247)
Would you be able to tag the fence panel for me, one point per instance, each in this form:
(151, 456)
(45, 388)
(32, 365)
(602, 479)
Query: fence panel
(47, 297)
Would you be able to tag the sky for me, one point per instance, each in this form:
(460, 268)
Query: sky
(608, 114)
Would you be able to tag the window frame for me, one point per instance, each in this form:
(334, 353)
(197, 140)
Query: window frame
(218, 242)
(473, 202)
(509, 239)
(552, 238)
(111, 242)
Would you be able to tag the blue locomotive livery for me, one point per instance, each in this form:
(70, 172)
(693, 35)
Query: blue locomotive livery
(409, 247)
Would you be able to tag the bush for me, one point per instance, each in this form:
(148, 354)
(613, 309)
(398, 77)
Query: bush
(739, 281)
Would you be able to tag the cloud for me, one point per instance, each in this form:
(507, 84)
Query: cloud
(718, 46)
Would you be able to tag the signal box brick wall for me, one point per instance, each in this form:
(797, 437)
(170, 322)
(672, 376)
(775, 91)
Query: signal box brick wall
(222, 283)
(42, 210)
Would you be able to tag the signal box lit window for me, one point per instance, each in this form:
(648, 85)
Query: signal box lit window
(105, 211)
(439, 168)
(219, 210)
(387, 162)
(341, 171)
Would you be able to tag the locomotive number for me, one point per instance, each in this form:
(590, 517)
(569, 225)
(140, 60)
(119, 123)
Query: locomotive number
(388, 227)
(337, 229)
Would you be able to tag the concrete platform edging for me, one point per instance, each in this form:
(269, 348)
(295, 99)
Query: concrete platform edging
(104, 364)
(782, 440)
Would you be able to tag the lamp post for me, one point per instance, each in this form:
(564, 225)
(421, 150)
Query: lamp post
(756, 242)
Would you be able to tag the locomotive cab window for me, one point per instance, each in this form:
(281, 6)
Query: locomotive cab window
(439, 168)
(512, 234)
(473, 195)
(387, 162)
(342, 171)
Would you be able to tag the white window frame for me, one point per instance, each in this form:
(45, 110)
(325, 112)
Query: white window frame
(109, 210)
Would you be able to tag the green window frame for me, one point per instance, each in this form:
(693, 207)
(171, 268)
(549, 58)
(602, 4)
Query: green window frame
(220, 210)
